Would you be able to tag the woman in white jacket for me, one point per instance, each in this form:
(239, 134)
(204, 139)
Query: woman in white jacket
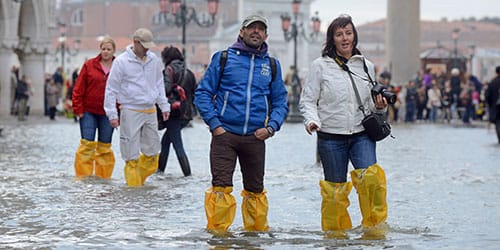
(329, 105)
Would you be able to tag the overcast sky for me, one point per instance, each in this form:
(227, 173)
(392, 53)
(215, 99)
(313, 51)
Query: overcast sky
(363, 11)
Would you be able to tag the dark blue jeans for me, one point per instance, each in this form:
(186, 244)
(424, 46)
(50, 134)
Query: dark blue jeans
(171, 136)
(89, 123)
(336, 153)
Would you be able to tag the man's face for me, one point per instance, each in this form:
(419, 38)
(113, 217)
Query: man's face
(254, 35)
(139, 48)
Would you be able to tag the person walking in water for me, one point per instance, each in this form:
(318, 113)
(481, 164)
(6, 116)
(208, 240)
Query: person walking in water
(235, 106)
(135, 82)
(179, 87)
(328, 102)
(94, 157)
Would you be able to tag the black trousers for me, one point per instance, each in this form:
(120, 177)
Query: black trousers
(250, 151)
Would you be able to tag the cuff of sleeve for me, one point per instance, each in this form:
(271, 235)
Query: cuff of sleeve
(112, 116)
(214, 123)
(165, 107)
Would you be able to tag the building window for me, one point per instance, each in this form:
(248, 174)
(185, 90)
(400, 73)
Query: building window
(77, 17)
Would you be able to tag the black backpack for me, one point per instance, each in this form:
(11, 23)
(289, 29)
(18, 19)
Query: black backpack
(177, 98)
(176, 95)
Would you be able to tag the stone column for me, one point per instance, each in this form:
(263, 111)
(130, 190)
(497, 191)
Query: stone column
(33, 69)
(402, 43)
(5, 88)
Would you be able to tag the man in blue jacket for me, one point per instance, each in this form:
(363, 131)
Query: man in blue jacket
(243, 107)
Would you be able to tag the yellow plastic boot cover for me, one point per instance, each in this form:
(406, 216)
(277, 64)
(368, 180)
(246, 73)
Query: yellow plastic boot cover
(104, 160)
(84, 158)
(132, 175)
(254, 209)
(334, 214)
(220, 208)
(371, 186)
(147, 166)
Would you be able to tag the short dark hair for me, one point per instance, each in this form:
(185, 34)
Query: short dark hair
(339, 22)
(171, 53)
(497, 70)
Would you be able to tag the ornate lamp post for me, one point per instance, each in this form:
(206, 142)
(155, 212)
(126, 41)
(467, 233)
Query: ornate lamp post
(182, 15)
(472, 49)
(291, 31)
(63, 48)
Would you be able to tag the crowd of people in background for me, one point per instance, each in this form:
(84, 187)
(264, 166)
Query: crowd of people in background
(427, 97)
(437, 97)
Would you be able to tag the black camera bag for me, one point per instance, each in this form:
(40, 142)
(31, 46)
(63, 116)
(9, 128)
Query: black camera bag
(376, 126)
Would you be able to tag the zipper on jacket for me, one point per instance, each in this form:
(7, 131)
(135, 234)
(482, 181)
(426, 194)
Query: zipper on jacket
(226, 97)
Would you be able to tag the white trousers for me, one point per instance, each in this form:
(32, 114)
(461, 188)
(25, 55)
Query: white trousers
(138, 134)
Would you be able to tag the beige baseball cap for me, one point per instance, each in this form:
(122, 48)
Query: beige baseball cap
(252, 19)
(145, 37)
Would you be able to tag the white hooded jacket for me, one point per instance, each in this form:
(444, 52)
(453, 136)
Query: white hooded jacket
(135, 84)
(328, 98)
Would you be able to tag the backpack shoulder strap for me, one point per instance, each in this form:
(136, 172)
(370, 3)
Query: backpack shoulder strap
(272, 63)
(222, 65)
(170, 71)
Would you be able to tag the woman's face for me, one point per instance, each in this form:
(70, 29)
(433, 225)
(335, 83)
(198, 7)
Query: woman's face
(343, 39)
(107, 51)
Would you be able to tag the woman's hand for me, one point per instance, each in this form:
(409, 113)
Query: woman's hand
(311, 127)
(380, 102)
(115, 123)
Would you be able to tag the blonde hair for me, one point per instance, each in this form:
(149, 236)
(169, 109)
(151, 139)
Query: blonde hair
(108, 39)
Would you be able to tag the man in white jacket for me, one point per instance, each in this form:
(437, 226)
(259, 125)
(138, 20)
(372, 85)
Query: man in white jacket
(135, 84)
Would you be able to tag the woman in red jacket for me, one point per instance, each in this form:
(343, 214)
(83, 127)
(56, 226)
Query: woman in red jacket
(88, 102)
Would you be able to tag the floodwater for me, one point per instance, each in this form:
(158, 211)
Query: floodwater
(442, 190)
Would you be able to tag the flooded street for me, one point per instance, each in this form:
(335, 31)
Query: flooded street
(442, 188)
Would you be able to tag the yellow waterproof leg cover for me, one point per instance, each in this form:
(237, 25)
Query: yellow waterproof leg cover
(254, 211)
(104, 160)
(132, 175)
(371, 186)
(220, 208)
(84, 158)
(334, 214)
(147, 166)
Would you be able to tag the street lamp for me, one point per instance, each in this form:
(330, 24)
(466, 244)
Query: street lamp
(454, 36)
(63, 48)
(183, 15)
(291, 31)
(472, 49)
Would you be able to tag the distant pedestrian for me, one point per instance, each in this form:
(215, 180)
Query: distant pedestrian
(492, 97)
(87, 98)
(433, 101)
(179, 88)
(52, 92)
(411, 101)
(447, 101)
(23, 93)
(135, 82)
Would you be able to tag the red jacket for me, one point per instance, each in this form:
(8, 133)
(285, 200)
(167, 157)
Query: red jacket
(88, 92)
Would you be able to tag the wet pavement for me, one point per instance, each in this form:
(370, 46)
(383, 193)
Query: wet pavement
(442, 188)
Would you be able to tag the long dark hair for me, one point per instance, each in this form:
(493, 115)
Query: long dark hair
(339, 22)
(171, 53)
